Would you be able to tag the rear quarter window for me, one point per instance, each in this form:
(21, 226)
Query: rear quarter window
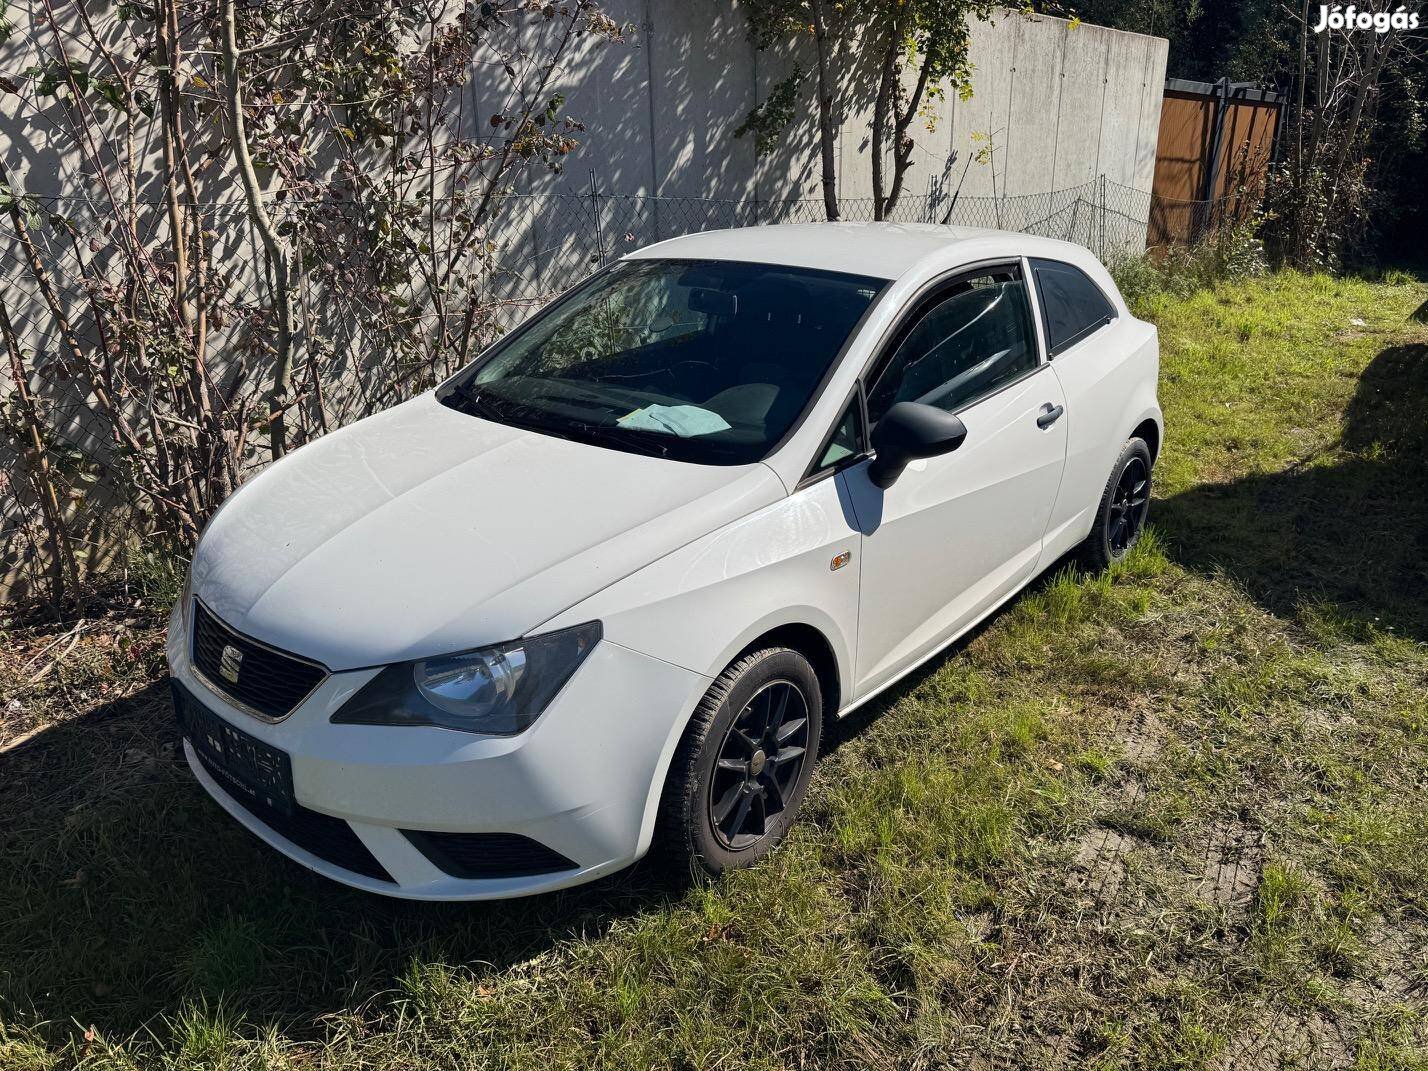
(1072, 306)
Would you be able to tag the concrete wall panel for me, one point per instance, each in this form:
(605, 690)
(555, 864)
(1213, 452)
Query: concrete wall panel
(1035, 105)
(1083, 94)
(792, 169)
(607, 89)
(1151, 97)
(858, 77)
(981, 123)
(702, 87)
(1126, 58)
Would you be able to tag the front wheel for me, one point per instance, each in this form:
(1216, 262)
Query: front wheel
(742, 768)
(1120, 518)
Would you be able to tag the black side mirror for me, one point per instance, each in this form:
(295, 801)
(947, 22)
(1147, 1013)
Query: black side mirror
(909, 431)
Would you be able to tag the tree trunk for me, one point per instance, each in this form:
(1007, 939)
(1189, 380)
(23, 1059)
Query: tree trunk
(278, 253)
(1299, 92)
(1321, 102)
(178, 227)
(1368, 78)
(64, 572)
(883, 105)
(902, 144)
(827, 129)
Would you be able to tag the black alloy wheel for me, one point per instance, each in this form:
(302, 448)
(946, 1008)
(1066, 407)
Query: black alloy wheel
(759, 764)
(1124, 506)
(1129, 505)
(742, 767)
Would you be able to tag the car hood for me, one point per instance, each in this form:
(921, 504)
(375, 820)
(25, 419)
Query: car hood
(422, 531)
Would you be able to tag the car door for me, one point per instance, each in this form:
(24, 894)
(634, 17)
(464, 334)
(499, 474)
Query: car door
(1101, 360)
(956, 533)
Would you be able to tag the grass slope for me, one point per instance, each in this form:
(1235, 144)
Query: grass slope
(1168, 817)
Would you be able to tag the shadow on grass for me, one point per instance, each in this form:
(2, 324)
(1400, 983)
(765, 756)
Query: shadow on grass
(1346, 537)
(126, 891)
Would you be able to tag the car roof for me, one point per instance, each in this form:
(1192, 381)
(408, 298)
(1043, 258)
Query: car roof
(880, 250)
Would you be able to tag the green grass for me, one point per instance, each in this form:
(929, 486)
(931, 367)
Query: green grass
(1167, 817)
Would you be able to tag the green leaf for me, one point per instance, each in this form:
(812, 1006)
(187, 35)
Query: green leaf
(112, 91)
(55, 75)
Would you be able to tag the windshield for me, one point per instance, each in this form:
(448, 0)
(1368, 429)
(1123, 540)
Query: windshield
(705, 361)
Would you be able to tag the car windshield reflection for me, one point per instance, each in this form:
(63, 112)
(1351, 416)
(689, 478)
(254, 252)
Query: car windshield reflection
(704, 361)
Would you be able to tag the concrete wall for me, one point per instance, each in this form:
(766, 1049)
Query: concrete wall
(1060, 105)
(1057, 107)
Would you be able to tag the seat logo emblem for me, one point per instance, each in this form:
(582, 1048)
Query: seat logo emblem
(229, 663)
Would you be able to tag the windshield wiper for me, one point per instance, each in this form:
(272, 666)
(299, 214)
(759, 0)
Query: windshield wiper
(505, 411)
(640, 441)
(476, 403)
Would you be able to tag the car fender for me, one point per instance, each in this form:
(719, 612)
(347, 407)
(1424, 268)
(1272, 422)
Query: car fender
(702, 604)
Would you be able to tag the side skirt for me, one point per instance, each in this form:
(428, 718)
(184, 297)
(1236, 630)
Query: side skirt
(949, 641)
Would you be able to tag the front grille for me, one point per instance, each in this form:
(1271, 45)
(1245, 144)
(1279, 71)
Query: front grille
(487, 855)
(330, 839)
(269, 682)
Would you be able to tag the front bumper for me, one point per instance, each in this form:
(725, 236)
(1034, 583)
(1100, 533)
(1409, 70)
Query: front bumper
(584, 781)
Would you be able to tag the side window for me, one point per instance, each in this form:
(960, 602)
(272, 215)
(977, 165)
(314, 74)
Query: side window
(1072, 306)
(846, 440)
(975, 336)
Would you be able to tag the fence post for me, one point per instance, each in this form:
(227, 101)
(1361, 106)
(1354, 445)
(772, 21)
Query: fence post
(595, 208)
(1102, 251)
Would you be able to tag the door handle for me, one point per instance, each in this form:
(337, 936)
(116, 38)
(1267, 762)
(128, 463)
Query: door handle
(1050, 414)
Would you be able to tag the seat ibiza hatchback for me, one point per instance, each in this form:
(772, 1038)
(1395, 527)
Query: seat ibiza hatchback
(607, 587)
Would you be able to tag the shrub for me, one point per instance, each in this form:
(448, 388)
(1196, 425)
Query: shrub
(1232, 252)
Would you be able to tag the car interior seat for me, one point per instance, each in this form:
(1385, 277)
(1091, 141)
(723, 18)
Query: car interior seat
(767, 345)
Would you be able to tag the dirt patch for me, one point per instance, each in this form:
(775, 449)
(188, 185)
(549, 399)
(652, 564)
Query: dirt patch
(1397, 962)
(1099, 868)
(1144, 740)
(1225, 868)
(1273, 1039)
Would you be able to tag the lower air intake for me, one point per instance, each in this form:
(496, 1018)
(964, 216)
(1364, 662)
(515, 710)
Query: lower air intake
(487, 855)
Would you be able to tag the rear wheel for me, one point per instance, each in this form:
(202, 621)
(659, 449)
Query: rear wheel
(1125, 503)
(743, 766)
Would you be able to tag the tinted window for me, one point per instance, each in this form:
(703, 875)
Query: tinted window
(706, 361)
(1071, 305)
(845, 441)
(974, 337)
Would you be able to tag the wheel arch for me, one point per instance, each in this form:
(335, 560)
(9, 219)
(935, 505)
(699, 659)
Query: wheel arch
(803, 629)
(808, 641)
(1149, 430)
(808, 630)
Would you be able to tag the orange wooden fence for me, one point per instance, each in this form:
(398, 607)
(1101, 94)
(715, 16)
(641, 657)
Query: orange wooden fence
(1216, 141)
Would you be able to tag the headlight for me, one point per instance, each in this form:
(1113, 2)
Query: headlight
(498, 690)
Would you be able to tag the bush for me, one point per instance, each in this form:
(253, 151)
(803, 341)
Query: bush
(1316, 221)
(1232, 252)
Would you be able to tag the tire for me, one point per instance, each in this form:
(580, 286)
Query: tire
(1125, 502)
(715, 817)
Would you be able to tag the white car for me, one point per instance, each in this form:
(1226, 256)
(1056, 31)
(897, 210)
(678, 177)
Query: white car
(606, 587)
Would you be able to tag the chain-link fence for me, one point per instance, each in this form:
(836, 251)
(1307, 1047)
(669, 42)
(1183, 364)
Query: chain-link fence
(551, 235)
(354, 353)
